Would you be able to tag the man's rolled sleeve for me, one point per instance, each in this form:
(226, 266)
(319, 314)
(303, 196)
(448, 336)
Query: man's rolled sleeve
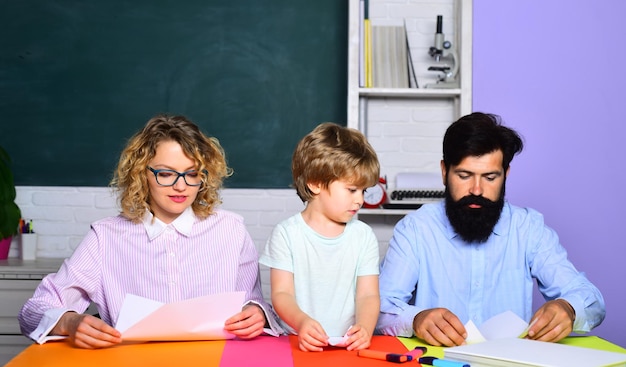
(397, 324)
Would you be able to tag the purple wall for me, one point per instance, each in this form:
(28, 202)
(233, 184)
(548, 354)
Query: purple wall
(556, 71)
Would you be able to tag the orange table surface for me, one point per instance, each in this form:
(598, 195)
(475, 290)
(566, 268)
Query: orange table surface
(263, 351)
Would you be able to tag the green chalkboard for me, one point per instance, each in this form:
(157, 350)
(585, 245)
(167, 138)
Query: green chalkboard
(79, 77)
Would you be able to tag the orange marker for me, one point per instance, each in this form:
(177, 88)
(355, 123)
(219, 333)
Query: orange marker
(385, 356)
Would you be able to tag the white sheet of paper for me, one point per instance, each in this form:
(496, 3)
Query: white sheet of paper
(526, 352)
(504, 325)
(473, 334)
(201, 318)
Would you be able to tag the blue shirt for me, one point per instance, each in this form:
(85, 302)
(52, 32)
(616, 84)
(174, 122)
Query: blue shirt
(428, 265)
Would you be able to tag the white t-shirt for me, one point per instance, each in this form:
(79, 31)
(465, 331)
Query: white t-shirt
(325, 270)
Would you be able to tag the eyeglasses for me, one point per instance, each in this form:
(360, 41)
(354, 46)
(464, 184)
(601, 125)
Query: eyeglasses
(168, 177)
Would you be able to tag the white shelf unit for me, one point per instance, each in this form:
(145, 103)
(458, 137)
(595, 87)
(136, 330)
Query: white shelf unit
(406, 125)
(395, 12)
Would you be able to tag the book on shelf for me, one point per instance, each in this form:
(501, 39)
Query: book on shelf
(362, 43)
(412, 78)
(368, 53)
(385, 59)
(389, 57)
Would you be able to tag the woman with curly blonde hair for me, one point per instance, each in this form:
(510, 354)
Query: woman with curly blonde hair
(169, 243)
(205, 152)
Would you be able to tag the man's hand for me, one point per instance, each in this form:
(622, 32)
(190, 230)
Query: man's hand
(248, 323)
(86, 331)
(553, 321)
(439, 327)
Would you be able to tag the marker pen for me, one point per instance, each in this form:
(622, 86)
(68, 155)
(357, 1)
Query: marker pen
(433, 361)
(384, 356)
(416, 353)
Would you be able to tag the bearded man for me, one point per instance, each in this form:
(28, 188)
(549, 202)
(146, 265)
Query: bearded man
(474, 255)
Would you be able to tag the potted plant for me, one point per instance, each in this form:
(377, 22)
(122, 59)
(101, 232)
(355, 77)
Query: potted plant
(10, 213)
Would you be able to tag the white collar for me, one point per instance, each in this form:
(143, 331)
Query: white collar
(154, 226)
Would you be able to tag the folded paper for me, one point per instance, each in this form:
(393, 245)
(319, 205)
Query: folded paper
(340, 341)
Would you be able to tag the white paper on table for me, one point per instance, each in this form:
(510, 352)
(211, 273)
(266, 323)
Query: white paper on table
(419, 180)
(201, 318)
(504, 325)
(525, 352)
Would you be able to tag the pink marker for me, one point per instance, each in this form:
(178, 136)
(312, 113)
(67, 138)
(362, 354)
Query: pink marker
(416, 353)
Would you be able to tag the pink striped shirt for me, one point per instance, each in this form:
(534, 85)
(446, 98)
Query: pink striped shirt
(167, 263)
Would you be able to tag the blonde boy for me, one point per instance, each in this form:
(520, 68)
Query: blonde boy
(324, 263)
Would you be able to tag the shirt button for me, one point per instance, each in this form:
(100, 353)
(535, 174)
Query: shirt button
(172, 254)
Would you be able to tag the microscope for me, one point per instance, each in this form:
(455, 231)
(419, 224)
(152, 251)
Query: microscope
(447, 58)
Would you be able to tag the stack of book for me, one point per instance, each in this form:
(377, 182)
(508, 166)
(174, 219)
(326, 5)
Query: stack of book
(389, 57)
(385, 57)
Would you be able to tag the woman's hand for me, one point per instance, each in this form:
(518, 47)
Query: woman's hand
(86, 331)
(248, 323)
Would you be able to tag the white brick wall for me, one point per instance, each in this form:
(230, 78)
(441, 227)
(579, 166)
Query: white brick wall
(407, 134)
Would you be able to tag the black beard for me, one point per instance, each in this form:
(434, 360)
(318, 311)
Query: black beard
(474, 224)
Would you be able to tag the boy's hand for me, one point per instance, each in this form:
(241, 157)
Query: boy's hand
(358, 338)
(311, 336)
